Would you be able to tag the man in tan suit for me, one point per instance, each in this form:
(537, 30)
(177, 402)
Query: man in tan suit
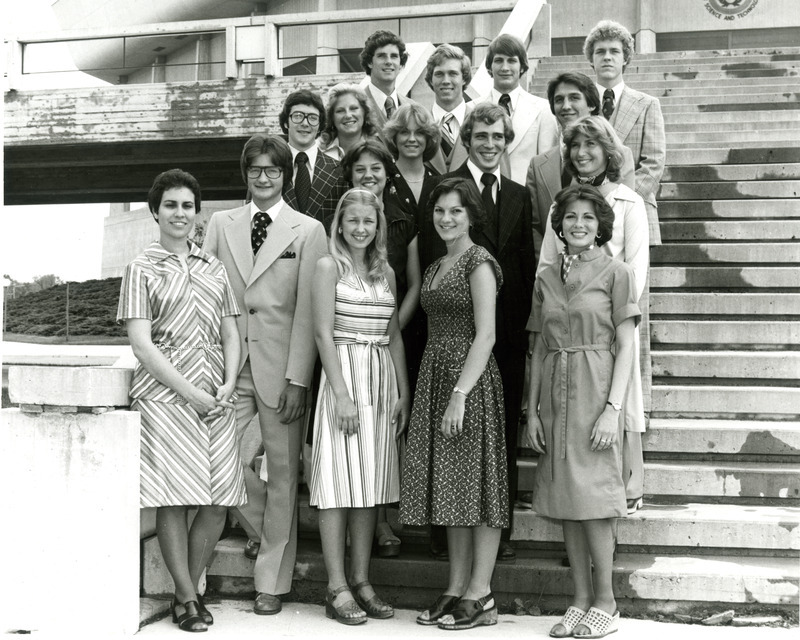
(270, 252)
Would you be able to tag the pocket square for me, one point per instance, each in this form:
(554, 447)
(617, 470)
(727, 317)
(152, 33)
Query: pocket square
(289, 255)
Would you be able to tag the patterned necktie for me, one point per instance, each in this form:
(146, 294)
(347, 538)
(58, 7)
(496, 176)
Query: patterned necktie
(488, 180)
(302, 182)
(608, 103)
(448, 135)
(505, 102)
(259, 233)
(389, 107)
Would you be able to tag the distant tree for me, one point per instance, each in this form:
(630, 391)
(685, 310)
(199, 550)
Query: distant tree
(45, 282)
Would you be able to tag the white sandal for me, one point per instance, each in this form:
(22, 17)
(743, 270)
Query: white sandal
(599, 623)
(571, 619)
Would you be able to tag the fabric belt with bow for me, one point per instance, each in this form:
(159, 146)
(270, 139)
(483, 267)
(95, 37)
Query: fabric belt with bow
(373, 364)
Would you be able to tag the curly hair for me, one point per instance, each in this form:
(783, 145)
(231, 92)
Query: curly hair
(369, 128)
(402, 118)
(467, 191)
(487, 113)
(448, 52)
(603, 210)
(598, 129)
(172, 179)
(507, 45)
(376, 254)
(372, 146)
(376, 41)
(580, 81)
(609, 30)
(306, 97)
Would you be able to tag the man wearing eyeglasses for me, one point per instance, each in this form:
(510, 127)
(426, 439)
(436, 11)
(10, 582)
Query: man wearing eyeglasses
(270, 251)
(314, 174)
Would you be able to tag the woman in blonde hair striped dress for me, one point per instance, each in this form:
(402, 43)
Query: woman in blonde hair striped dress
(363, 403)
(180, 313)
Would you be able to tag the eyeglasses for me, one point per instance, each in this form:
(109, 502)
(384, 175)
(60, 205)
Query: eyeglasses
(254, 173)
(298, 116)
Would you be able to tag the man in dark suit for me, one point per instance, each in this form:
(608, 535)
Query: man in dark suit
(486, 132)
(314, 173)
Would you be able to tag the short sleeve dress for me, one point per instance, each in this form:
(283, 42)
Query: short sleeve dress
(577, 321)
(463, 481)
(184, 461)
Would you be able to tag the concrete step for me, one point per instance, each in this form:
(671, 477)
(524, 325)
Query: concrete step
(686, 525)
(740, 365)
(727, 402)
(722, 437)
(724, 107)
(689, 74)
(748, 480)
(784, 235)
(729, 190)
(705, 253)
(733, 137)
(758, 305)
(652, 582)
(726, 144)
(778, 209)
(732, 172)
(725, 277)
(681, 59)
(732, 122)
(721, 334)
(739, 154)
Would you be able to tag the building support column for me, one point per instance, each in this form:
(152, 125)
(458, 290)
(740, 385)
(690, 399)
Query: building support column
(645, 34)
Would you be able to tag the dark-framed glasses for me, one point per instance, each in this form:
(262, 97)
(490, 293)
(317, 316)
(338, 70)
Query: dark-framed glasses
(298, 116)
(254, 173)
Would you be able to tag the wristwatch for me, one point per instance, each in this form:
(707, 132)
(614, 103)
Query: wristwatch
(461, 391)
(616, 406)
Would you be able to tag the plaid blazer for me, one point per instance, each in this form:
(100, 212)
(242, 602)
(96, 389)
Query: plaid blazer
(326, 173)
(638, 121)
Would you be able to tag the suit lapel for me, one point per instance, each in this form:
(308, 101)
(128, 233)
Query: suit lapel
(280, 235)
(550, 172)
(509, 208)
(626, 114)
(325, 175)
(524, 116)
(237, 235)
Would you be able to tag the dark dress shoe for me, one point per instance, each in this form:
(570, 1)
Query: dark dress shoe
(190, 620)
(267, 605)
(205, 614)
(506, 553)
(251, 549)
(438, 552)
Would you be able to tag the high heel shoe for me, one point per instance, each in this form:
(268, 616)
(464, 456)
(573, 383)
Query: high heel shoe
(470, 613)
(190, 620)
(348, 613)
(375, 607)
(444, 604)
(205, 614)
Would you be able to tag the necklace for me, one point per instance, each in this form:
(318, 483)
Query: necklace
(454, 256)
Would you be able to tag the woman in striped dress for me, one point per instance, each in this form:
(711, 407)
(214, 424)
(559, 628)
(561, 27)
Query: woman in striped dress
(180, 315)
(363, 403)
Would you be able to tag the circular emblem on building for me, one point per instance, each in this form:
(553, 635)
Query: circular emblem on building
(730, 9)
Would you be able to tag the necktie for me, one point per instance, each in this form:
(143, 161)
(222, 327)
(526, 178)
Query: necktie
(608, 103)
(505, 102)
(448, 135)
(488, 180)
(259, 233)
(389, 107)
(302, 182)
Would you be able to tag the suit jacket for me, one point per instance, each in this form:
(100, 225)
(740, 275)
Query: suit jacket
(274, 293)
(326, 173)
(511, 245)
(458, 155)
(638, 121)
(544, 182)
(535, 131)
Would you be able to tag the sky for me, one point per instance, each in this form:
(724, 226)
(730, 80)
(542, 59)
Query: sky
(65, 240)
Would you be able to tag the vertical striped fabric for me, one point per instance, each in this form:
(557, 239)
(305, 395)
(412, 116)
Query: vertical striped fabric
(184, 460)
(361, 470)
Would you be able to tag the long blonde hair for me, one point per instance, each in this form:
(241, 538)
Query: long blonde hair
(376, 254)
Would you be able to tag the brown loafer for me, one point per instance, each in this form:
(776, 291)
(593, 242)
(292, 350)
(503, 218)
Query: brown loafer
(251, 549)
(267, 604)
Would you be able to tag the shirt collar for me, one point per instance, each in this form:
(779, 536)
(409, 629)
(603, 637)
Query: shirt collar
(380, 97)
(617, 89)
(514, 95)
(311, 152)
(274, 211)
(157, 253)
(459, 113)
(477, 174)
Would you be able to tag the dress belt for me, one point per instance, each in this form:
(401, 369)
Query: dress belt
(563, 375)
(375, 374)
(205, 346)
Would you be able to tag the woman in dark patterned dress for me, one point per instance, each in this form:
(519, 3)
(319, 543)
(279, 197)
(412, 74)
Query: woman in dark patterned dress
(455, 472)
(180, 315)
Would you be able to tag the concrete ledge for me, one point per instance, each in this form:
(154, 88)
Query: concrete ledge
(724, 277)
(762, 403)
(70, 386)
(734, 304)
(682, 210)
(748, 365)
(728, 334)
(722, 437)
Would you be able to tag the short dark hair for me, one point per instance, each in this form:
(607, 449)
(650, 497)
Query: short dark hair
(507, 45)
(277, 150)
(467, 190)
(174, 178)
(598, 129)
(487, 113)
(371, 145)
(580, 81)
(306, 97)
(377, 40)
(609, 30)
(448, 52)
(603, 210)
(400, 120)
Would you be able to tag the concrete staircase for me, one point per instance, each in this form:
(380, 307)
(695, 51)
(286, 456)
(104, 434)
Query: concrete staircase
(720, 528)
